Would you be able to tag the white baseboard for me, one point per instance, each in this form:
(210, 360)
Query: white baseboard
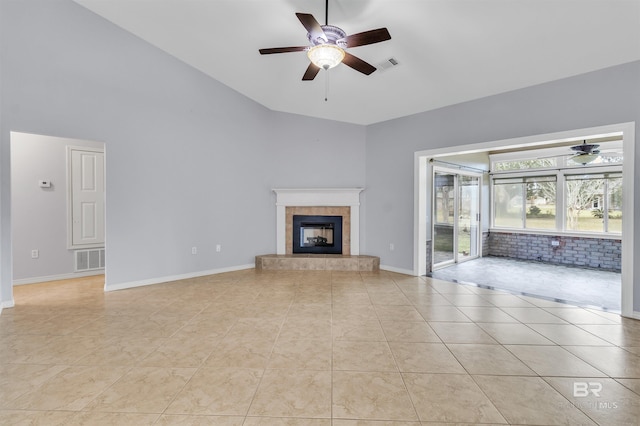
(7, 304)
(397, 270)
(34, 280)
(159, 280)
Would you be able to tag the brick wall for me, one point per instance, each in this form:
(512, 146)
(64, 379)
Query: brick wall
(576, 251)
(485, 243)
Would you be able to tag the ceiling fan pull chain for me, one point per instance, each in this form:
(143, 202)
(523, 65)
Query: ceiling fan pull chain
(326, 86)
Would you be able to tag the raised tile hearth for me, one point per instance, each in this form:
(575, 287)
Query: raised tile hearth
(317, 262)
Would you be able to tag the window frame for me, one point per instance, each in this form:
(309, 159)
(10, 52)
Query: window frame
(604, 201)
(525, 181)
(561, 172)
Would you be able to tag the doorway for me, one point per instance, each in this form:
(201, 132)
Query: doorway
(456, 216)
(43, 209)
(423, 186)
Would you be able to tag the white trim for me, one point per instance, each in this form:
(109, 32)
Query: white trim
(160, 280)
(533, 140)
(420, 235)
(35, 280)
(321, 197)
(628, 176)
(396, 270)
(555, 233)
(8, 304)
(636, 315)
(628, 208)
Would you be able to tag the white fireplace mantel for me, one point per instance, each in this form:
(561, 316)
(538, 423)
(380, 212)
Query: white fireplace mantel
(321, 197)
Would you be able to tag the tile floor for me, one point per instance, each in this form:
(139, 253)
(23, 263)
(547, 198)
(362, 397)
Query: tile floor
(579, 286)
(311, 348)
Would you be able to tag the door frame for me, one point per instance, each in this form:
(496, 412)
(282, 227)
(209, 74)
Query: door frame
(422, 183)
(456, 187)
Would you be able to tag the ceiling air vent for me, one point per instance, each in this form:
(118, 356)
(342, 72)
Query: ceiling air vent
(389, 63)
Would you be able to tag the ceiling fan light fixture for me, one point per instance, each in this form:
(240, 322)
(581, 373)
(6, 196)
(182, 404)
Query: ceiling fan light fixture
(326, 56)
(585, 158)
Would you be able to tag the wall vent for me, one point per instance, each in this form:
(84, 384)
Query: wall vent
(89, 260)
(389, 63)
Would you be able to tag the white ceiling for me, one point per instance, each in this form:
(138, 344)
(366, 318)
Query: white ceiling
(449, 51)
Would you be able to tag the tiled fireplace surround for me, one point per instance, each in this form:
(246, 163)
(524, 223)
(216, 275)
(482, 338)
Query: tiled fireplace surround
(343, 202)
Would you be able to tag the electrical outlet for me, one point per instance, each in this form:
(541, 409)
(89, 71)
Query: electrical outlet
(218, 248)
(194, 250)
(35, 254)
(392, 247)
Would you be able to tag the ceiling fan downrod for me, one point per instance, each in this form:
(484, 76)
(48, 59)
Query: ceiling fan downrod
(326, 12)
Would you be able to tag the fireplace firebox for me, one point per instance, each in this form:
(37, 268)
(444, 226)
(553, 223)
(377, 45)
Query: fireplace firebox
(317, 234)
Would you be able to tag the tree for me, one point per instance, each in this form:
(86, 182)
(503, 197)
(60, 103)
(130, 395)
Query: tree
(581, 193)
(537, 163)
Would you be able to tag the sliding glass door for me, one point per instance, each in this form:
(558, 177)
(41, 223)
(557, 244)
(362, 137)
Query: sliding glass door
(456, 217)
(443, 218)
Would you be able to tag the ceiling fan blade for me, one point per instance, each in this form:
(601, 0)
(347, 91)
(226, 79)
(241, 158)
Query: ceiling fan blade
(311, 72)
(282, 50)
(367, 37)
(358, 64)
(312, 26)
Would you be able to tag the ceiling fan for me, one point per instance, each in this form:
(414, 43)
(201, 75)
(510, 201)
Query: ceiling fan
(329, 44)
(585, 153)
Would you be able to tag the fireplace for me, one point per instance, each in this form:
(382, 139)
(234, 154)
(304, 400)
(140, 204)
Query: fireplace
(343, 202)
(317, 234)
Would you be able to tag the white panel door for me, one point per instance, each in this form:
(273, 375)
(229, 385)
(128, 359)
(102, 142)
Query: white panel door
(87, 198)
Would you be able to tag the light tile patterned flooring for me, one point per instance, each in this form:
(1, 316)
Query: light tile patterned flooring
(311, 348)
(579, 286)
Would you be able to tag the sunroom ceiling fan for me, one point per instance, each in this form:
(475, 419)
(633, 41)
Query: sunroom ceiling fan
(329, 44)
(585, 153)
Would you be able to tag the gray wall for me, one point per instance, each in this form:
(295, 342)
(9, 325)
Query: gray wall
(599, 98)
(189, 162)
(39, 215)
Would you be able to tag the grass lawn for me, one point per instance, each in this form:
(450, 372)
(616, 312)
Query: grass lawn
(546, 220)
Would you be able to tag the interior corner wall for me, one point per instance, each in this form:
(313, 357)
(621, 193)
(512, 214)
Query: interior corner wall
(189, 161)
(603, 97)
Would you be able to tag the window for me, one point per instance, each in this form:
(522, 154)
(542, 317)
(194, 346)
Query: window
(525, 202)
(545, 190)
(594, 202)
(538, 163)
